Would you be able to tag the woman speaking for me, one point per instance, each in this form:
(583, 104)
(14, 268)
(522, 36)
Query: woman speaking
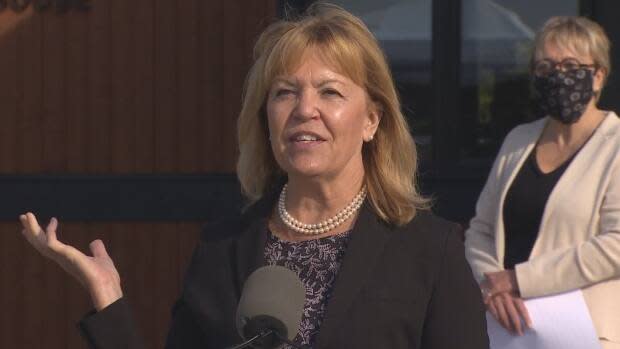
(328, 165)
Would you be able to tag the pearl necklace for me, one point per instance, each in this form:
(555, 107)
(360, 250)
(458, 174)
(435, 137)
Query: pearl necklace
(324, 226)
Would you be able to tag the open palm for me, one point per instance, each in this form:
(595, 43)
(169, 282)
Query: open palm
(96, 273)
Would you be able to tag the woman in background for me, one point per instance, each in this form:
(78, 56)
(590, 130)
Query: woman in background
(548, 218)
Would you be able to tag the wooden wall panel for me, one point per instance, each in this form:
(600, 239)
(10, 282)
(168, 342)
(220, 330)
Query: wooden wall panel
(167, 141)
(76, 92)
(187, 85)
(131, 86)
(99, 88)
(210, 30)
(122, 117)
(10, 84)
(10, 295)
(144, 74)
(29, 144)
(54, 123)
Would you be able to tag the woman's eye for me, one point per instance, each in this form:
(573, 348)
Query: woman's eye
(331, 92)
(283, 92)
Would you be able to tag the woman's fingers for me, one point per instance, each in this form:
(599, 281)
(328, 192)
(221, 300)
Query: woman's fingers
(98, 249)
(46, 241)
(51, 240)
(48, 245)
(24, 220)
(33, 225)
(523, 311)
(509, 310)
(492, 309)
(513, 314)
(501, 313)
(51, 229)
(32, 232)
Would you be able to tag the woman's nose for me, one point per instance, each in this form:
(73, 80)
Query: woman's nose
(307, 105)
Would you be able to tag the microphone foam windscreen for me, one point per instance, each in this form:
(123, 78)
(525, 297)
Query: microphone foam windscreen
(272, 291)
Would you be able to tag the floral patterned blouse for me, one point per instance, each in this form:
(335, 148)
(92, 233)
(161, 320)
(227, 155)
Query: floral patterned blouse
(316, 262)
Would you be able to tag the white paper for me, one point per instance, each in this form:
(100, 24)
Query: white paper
(560, 321)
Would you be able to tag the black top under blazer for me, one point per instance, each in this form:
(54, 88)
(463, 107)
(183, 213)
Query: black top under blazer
(398, 287)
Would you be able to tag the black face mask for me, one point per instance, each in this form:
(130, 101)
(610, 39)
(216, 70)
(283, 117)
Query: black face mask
(563, 96)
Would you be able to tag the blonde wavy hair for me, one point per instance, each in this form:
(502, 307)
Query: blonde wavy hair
(345, 43)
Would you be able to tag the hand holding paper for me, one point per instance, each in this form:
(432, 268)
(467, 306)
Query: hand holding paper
(559, 321)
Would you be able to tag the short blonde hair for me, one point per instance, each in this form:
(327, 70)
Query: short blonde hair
(345, 43)
(577, 34)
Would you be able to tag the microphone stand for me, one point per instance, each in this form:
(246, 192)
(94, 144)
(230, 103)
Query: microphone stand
(264, 334)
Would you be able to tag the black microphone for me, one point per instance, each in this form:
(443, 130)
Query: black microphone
(270, 309)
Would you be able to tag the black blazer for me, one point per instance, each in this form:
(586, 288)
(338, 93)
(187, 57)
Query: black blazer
(398, 287)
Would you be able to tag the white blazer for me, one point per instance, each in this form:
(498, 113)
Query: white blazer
(578, 243)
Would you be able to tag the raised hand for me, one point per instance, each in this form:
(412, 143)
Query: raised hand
(96, 273)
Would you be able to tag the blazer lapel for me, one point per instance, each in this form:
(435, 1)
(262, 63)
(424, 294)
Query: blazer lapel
(249, 256)
(368, 239)
(250, 247)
